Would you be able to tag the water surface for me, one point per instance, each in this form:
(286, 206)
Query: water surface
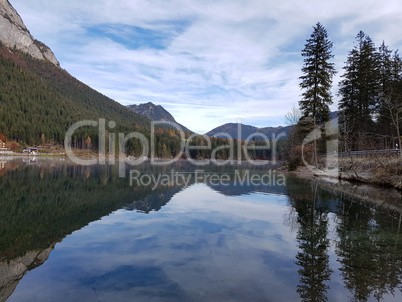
(71, 233)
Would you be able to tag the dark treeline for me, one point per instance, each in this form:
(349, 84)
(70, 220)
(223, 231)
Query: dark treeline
(222, 149)
(370, 98)
(34, 217)
(169, 144)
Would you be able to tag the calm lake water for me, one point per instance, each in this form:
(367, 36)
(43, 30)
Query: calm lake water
(72, 233)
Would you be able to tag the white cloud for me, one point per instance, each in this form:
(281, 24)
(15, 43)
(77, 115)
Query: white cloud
(222, 59)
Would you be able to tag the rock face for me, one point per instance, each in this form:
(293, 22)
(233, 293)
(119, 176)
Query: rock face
(14, 34)
(155, 113)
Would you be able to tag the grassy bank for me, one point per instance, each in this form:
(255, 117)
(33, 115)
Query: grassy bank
(383, 171)
(376, 170)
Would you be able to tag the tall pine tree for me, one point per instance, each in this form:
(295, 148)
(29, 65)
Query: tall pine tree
(316, 80)
(389, 98)
(318, 72)
(359, 89)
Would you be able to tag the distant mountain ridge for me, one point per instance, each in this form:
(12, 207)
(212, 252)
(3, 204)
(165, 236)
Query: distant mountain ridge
(249, 132)
(155, 113)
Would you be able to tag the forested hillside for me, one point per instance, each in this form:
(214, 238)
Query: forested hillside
(39, 100)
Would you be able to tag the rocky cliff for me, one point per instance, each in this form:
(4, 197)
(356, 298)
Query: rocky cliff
(14, 34)
(155, 113)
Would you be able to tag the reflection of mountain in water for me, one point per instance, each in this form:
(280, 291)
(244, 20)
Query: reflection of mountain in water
(236, 189)
(12, 271)
(153, 202)
(41, 204)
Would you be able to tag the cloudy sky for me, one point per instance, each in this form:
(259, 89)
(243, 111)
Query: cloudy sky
(207, 62)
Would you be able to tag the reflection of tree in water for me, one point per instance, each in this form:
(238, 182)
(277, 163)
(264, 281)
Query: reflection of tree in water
(369, 250)
(312, 258)
(368, 242)
(33, 218)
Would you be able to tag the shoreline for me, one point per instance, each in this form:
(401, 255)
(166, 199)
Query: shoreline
(364, 173)
(363, 191)
(394, 181)
(382, 172)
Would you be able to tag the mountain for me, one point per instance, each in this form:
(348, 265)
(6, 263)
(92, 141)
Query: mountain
(37, 97)
(333, 115)
(155, 113)
(15, 35)
(248, 131)
(39, 100)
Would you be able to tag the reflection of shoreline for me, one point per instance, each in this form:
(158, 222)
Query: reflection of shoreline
(372, 176)
(386, 197)
(366, 239)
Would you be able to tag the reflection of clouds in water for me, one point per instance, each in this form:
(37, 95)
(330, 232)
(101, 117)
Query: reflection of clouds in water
(124, 278)
(202, 245)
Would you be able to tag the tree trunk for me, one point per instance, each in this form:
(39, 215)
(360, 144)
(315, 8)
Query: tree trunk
(399, 136)
(315, 146)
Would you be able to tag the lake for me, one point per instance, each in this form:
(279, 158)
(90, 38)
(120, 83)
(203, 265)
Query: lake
(232, 233)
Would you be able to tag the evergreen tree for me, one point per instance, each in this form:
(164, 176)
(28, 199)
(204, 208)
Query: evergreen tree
(318, 73)
(316, 80)
(385, 66)
(390, 97)
(359, 89)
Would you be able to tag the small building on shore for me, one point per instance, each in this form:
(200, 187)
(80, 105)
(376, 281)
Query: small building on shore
(31, 150)
(2, 142)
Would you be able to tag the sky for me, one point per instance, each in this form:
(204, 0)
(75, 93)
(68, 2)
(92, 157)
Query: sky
(207, 62)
